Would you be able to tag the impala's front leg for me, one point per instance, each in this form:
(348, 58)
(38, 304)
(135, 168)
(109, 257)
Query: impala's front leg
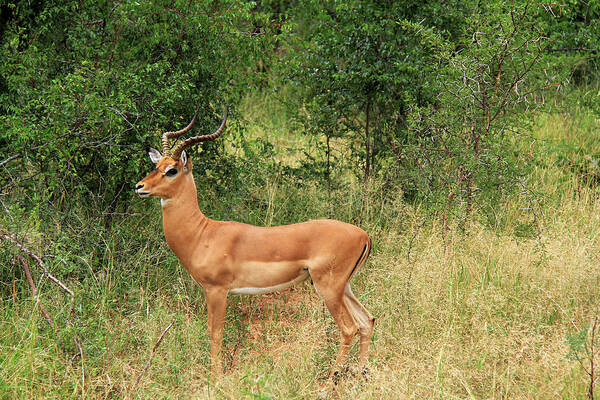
(216, 301)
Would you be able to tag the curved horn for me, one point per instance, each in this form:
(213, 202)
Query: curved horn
(168, 135)
(196, 139)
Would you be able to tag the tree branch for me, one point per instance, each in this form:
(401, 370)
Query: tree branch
(139, 377)
(7, 236)
(566, 49)
(33, 288)
(9, 159)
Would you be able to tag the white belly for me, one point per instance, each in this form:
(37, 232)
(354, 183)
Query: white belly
(261, 290)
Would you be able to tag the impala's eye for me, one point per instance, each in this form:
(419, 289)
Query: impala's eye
(171, 172)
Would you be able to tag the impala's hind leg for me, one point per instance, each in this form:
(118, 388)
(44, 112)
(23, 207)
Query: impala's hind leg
(334, 298)
(365, 321)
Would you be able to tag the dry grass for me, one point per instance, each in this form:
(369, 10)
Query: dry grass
(484, 314)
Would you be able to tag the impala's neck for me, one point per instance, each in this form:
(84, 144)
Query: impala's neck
(183, 222)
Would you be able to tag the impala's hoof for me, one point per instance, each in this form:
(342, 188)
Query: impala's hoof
(336, 377)
(365, 371)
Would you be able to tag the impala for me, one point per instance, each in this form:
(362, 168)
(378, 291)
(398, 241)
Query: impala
(231, 257)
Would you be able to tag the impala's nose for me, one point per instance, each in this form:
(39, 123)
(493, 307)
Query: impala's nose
(139, 189)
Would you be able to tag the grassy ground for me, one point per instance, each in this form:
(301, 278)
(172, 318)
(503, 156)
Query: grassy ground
(480, 314)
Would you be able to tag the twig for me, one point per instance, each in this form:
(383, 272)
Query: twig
(80, 354)
(123, 214)
(9, 159)
(425, 148)
(139, 377)
(574, 49)
(122, 115)
(5, 235)
(592, 351)
(16, 183)
(34, 290)
(411, 264)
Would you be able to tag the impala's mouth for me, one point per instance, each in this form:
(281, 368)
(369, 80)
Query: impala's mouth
(142, 194)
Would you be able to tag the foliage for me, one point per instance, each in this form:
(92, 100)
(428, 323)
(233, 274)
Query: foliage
(428, 97)
(86, 86)
(359, 72)
(573, 29)
(405, 112)
(489, 84)
(583, 347)
(488, 316)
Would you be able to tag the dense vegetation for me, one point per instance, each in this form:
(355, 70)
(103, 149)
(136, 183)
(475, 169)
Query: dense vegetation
(462, 135)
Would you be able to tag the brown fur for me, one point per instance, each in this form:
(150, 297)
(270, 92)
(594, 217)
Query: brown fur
(224, 255)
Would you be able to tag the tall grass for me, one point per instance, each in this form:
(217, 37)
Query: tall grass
(480, 313)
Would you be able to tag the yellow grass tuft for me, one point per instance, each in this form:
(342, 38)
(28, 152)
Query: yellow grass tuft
(481, 314)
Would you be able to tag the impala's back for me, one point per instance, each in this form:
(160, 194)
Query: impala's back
(232, 257)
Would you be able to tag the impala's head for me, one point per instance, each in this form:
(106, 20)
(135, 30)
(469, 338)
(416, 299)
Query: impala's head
(171, 170)
(166, 178)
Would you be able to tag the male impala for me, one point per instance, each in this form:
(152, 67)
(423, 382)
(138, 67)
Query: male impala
(231, 257)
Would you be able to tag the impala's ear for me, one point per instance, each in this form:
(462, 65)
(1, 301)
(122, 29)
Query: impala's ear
(154, 155)
(185, 161)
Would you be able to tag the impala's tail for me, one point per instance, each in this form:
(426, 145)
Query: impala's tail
(363, 257)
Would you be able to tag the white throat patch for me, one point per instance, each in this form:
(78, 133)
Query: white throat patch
(163, 202)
